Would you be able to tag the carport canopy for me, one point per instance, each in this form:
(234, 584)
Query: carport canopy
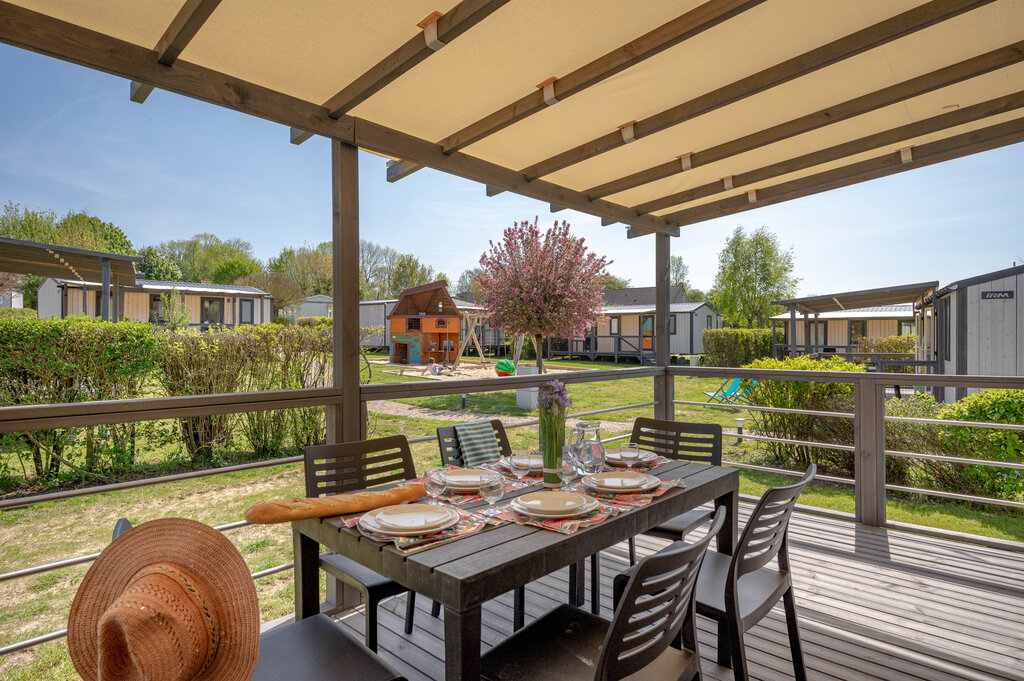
(852, 300)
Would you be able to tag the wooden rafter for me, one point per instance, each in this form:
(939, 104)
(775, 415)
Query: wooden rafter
(868, 143)
(883, 32)
(654, 42)
(187, 22)
(41, 33)
(450, 26)
(399, 169)
(992, 137)
(858, 106)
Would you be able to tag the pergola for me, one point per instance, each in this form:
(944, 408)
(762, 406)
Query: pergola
(62, 262)
(655, 115)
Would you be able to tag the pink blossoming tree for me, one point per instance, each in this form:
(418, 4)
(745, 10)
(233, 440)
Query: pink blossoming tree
(541, 285)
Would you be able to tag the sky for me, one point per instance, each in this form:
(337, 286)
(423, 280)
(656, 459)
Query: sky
(70, 139)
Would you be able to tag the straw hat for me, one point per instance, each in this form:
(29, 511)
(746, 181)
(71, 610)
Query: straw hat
(169, 600)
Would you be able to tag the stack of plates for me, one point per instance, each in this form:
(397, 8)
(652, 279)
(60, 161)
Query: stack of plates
(536, 462)
(554, 504)
(409, 520)
(625, 482)
(464, 479)
(613, 457)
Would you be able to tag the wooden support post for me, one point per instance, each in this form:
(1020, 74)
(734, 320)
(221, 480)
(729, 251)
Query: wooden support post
(105, 294)
(869, 454)
(664, 393)
(792, 330)
(85, 300)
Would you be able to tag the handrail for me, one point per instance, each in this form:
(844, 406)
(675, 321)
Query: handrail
(780, 410)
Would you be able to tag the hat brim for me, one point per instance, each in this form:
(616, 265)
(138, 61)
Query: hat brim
(221, 576)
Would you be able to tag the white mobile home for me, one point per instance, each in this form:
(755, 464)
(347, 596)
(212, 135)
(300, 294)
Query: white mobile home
(842, 330)
(312, 306)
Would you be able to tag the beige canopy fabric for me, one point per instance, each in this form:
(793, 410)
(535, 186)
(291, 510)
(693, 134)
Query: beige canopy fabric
(655, 114)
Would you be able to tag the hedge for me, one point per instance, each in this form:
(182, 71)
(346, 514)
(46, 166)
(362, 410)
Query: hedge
(315, 321)
(17, 313)
(890, 344)
(992, 406)
(736, 347)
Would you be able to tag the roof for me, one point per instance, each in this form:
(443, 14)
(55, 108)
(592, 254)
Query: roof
(318, 298)
(890, 295)
(649, 309)
(429, 298)
(904, 311)
(378, 302)
(980, 279)
(49, 260)
(603, 106)
(155, 285)
(645, 295)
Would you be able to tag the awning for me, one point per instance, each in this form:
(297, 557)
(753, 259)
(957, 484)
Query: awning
(61, 262)
(854, 300)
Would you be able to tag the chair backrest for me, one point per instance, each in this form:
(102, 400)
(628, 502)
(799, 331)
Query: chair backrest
(734, 385)
(120, 527)
(349, 466)
(764, 536)
(700, 442)
(451, 452)
(656, 602)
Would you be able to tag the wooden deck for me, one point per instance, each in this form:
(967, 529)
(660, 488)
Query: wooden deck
(874, 604)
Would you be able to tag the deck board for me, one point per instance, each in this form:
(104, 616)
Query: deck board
(875, 605)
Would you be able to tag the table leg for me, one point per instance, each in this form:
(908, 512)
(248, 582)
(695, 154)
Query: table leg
(307, 575)
(462, 644)
(577, 583)
(726, 539)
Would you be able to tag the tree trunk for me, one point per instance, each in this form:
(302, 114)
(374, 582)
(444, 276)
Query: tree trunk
(537, 345)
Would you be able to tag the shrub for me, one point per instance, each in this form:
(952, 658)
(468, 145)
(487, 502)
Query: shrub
(993, 406)
(17, 313)
(315, 321)
(805, 395)
(736, 347)
(915, 437)
(889, 344)
(282, 319)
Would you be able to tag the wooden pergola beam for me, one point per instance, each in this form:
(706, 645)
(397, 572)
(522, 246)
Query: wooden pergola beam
(965, 144)
(41, 33)
(186, 23)
(399, 169)
(883, 32)
(864, 144)
(858, 106)
(654, 42)
(450, 26)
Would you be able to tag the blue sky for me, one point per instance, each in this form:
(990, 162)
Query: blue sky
(71, 139)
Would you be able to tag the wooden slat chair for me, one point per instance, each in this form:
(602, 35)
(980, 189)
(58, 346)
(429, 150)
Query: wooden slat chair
(680, 441)
(651, 636)
(352, 466)
(313, 649)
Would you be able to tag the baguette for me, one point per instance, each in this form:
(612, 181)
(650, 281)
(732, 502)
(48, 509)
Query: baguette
(286, 510)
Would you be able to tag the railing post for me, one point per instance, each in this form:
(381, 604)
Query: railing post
(869, 454)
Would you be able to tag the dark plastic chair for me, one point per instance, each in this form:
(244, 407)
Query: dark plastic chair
(314, 648)
(651, 636)
(680, 441)
(351, 466)
(738, 591)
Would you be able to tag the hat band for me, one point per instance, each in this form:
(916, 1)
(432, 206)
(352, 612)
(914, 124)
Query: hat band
(197, 599)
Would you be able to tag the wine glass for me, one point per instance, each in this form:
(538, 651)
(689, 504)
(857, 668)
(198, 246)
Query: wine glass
(492, 487)
(629, 454)
(435, 484)
(567, 472)
(519, 464)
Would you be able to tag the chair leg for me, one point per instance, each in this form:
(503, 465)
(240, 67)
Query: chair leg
(435, 609)
(370, 617)
(595, 584)
(739, 651)
(518, 608)
(724, 644)
(632, 551)
(789, 602)
(410, 611)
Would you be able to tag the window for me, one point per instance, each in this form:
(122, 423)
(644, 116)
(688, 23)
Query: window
(442, 322)
(613, 326)
(156, 309)
(906, 328)
(99, 305)
(671, 325)
(711, 322)
(819, 333)
(330, 311)
(245, 310)
(858, 329)
(211, 310)
(412, 324)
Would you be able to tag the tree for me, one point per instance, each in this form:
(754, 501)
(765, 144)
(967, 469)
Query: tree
(308, 266)
(286, 292)
(542, 285)
(466, 287)
(695, 295)
(611, 281)
(752, 271)
(234, 268)
(199, 257)
(173, 310)
(678, 273)
(156, 265)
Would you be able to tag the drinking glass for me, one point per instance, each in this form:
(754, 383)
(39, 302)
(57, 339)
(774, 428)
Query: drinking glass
(630, 454)
(435, 484)
(567, 472)
(519, 464)
(492, 487)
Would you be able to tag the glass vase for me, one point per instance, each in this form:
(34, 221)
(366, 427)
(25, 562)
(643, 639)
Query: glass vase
(552, 439)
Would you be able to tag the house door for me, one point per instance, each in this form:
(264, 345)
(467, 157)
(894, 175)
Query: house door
(401, 353)
(647, 332)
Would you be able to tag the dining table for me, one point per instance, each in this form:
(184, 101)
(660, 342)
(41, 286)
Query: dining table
(464, 573)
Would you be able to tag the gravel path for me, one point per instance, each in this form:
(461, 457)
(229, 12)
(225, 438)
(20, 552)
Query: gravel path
(402, 409)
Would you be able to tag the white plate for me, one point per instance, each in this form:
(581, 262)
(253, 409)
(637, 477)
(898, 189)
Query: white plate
(621, 481)
(591, 505)
(613, 457)
(552, 501)
(465, 479)
(368, 521)
(536, 462)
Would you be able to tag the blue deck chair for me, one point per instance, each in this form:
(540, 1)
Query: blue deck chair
(731, 392)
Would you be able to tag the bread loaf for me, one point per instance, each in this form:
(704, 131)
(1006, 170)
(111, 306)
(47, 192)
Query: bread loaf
(286, 510)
